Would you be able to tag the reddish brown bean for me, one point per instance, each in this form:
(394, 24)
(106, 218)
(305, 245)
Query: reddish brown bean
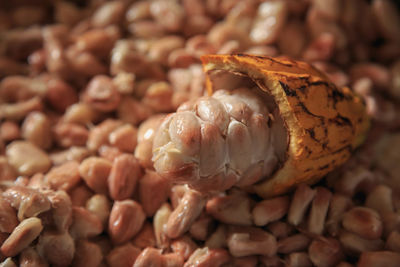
(124, 174)
(95, 171)
(9, 131)
(56, 248)
(270, 210)
(146, 237)
(379, 259)
(126, 220)
(124, 138)
(152, 182)
(22, 235)
(70, 134)
(102, 94)
(87, 254)
(246, 241)
(364, 222)
(84, 224)
(30, 257)
(124, 255)
(232, 209)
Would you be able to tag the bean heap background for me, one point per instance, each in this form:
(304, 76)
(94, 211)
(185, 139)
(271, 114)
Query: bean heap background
(84, 85)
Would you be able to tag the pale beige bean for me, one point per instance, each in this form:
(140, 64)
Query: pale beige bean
(126, 220)
(152, 182)
(124, 138)
(393, 241)
(339, 205)
(354, 244)
(379, 259)
(344, 264)
(168, 14)
(231, 209)
(8, 263)
(108, 13)
(160, 221)
(17, 111)
(8, 217)
(246, 241)
(80, 113)
(281, 229)
(298, 242)
(27, 158)
(145, 136)
(61, 209)
(138, 11)
(149, 257)
(87, 254)
(364, 222)
(29, 202)
(185, 213)
(30, 258)
(319, 209)
(22, 235)
(124, 174)
(84, 224)
(270, 210)
(325, 252)
(70, 134)
(184, 246)
(98, 136)
(95, 171)
(298, 259)
(380, 199)
(206, 257)
(125, 83)
(124, 255)
(71, 154)
(63, 177)
(353, 181)
(270, 19)
(99, 205)
(146, 237)
(36, 129)
(300, 202)
(57, 249)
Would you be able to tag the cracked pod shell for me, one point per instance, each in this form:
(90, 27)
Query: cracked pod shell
(324, 123)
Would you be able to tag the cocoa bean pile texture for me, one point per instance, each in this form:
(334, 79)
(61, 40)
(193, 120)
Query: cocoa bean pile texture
(84, 86)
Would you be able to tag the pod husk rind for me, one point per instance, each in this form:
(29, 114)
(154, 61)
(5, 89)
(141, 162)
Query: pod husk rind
(324, 123)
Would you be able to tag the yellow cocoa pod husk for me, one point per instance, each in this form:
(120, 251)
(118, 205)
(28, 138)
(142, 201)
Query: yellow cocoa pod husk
(324, 123)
